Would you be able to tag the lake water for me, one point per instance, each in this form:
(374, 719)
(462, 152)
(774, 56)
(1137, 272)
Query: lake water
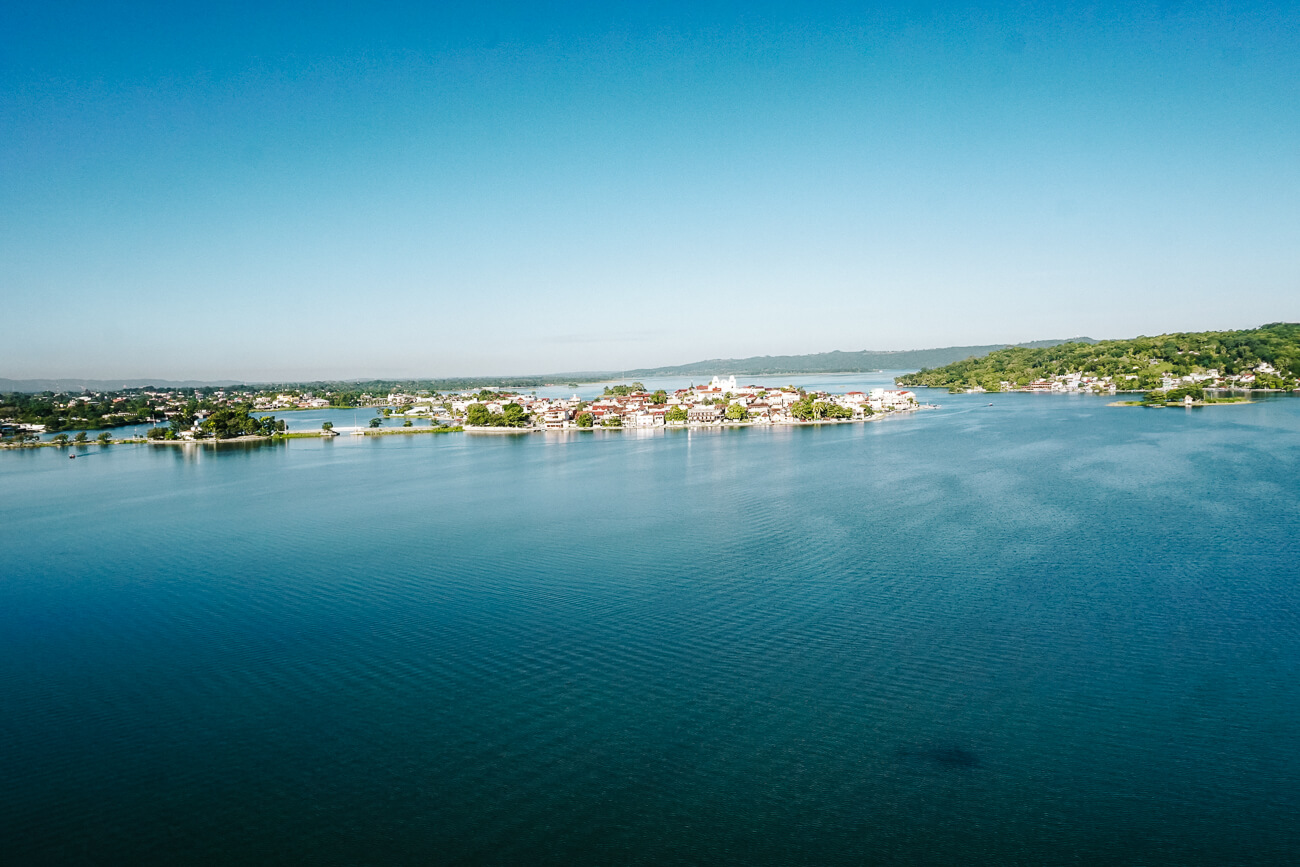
(1045, 631)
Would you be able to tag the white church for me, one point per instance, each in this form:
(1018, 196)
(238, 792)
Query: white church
(719, 384)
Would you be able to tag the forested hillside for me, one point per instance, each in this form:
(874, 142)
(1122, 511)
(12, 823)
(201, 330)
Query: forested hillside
(1266, 357)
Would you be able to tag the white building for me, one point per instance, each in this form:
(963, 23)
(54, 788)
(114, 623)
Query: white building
(728, 384)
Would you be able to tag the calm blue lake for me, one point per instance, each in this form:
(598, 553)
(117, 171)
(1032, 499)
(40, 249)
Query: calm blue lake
(1042, 631)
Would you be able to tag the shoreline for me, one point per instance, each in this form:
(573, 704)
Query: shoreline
(881, 416)
(467, 429)
(288, 435)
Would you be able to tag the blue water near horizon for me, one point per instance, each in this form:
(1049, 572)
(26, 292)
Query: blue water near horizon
(1046, 631)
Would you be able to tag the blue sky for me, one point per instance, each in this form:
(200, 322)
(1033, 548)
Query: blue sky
(266, 191)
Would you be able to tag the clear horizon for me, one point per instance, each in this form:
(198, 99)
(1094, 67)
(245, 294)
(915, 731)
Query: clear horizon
(258, 194)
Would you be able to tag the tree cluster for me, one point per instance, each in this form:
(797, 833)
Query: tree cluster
(511, 415)
(624, 390)
(1175, 395)
(808, 408)
(230, 422)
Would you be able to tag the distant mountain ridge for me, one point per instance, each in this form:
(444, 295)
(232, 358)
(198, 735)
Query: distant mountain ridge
(759, 365)
(837, 361)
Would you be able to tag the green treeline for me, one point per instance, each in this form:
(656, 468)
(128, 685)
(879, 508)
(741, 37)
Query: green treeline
(1136, 365)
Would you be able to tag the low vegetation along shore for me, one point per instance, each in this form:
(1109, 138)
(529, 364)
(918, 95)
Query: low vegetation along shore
(104, 440)
(1184, 397)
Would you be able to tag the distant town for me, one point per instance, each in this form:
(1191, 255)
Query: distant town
(1263, 376)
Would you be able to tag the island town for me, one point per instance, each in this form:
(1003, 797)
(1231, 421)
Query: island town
(187, 416)
(719, 403)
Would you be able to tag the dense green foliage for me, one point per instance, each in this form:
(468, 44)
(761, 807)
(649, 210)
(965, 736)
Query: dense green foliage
(344, 398)
(1175, 395)
(586, 419)
(67, 412)
(808, 408)
(676, 414)
(1135, 365)
(235, 421)
(736, 412)
(511, 415)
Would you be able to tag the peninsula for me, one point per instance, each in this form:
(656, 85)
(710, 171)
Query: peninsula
(1265, 358)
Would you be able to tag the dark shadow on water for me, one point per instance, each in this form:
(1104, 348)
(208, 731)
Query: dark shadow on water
(947, 756)
(201, 450)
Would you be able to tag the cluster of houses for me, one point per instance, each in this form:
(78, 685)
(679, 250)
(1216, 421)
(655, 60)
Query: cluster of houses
(1088, 383)
(698, 405)
(305, 400)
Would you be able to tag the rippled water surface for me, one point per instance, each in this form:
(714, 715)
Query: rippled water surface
(1046, 631)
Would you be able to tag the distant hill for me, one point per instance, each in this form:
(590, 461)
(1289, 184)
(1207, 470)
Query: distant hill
(836, 362)
(35, 386)
(1139, 362)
